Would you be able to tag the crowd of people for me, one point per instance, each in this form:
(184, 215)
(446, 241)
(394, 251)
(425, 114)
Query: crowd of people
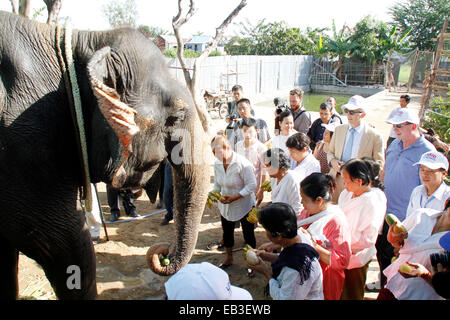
(332, 185)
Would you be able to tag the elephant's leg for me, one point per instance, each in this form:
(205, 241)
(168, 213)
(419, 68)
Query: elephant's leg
(61, 243)
(9, 286)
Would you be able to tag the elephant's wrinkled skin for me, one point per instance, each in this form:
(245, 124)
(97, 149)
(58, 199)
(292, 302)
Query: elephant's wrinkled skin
(39, 167)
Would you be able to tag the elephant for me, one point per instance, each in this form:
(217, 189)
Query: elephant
(135, 115)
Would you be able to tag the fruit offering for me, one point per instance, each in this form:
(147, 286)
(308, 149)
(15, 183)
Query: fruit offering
(266, 186)
(253, 216)
(165, 261)
(214, 196)
(399, 227)
(405, 268)
(250, 256)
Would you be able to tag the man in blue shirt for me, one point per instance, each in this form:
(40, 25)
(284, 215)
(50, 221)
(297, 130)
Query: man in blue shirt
(400, 174)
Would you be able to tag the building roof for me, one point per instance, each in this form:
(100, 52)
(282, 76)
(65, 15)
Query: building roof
(200, 39)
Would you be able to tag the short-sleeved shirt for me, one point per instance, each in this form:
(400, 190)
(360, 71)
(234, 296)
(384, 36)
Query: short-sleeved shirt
(400, 174)
(316, 131)
(302, 120)
(420, 199)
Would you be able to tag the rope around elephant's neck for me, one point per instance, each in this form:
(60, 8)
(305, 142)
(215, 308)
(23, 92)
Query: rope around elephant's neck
(76, 106)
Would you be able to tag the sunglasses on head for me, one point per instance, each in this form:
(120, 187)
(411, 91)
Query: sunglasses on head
(401, 125)
(352, 112)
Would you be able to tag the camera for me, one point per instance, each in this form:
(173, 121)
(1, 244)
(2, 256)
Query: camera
(233, 122)
(281, 108)
(440, 257)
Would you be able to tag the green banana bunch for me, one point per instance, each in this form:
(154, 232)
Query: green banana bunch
(253, 216)
(214, 196)
(266, 186)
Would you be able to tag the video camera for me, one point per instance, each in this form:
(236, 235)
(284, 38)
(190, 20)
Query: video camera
(281, 105)
(233, 121)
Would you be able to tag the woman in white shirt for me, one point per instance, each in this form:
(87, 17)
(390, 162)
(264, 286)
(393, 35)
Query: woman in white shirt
(365, 208)
(284, 182)
(433, 192)
(294, 274)
(235, 179)
(286, 121)
(306, 163)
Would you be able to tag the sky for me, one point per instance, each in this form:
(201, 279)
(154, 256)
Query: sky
(88, 14)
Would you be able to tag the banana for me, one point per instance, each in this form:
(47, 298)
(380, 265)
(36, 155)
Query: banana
(253, 216)
(266, 186)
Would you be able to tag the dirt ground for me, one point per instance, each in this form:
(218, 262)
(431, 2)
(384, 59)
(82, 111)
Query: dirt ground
(122, 272)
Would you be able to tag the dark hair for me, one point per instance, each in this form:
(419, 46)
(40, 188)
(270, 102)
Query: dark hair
(447, 204)
(236, 88)
(318, 185)
(406, 97)
(249, 122)
(375, 170)
(298, 141)
(244, 100)
(363, 169)
(283, 115)
(279, 101)
(326, 106)
(277, 158)
(279, 219)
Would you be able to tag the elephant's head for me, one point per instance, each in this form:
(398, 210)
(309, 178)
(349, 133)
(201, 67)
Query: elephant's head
(144, 116)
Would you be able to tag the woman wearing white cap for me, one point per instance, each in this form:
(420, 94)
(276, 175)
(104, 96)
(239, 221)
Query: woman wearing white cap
(433, 192)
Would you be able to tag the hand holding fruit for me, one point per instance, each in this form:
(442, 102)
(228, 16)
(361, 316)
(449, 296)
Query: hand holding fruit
(394, 238)
(266, 186)
(412, 270)
(214, 196)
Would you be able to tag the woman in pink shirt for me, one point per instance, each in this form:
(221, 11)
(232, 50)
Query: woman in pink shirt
(326, 228)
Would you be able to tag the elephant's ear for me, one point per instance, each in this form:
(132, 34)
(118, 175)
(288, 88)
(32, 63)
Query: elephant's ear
(119, 116)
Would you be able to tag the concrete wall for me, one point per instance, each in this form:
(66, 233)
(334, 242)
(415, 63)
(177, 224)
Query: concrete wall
(256, 74)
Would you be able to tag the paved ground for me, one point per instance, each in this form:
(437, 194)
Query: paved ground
(379, 107)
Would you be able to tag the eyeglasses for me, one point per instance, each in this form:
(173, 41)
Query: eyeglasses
(351, 112)
(401, 125)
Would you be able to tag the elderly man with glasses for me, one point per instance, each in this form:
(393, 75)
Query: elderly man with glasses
(401, 176)
(356, 139)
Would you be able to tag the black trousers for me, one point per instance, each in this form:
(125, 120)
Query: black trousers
(248, 229)
(385, 252)
(113, 200)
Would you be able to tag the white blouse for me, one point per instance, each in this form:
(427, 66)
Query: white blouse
(365, 215)
(287, 285)
(287, 191)
(254, 153)
(238, 179)
(309, 165)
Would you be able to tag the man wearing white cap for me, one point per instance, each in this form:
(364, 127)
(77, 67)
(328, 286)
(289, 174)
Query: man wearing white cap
(400, 174)
(353, 140)
(203, 281)
(433, 192)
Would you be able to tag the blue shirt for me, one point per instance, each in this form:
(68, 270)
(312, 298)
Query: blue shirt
(400, 174)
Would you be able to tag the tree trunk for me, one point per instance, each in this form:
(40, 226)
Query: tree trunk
(53, 8)
(191, 82)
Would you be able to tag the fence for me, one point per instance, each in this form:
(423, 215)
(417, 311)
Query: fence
(350, 73)
(256, 74)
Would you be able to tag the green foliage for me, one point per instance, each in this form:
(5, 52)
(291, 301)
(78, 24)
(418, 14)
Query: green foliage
(152, 32)
(439, 118)
(215, 53)
(121, 13)
(425, 17)
(172, 53)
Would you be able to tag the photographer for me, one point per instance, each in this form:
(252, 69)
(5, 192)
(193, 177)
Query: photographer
(233, 114)
(234, 133)
(425, 228)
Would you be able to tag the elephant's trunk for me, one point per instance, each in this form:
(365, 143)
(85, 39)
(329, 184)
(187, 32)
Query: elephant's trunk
(191, 179)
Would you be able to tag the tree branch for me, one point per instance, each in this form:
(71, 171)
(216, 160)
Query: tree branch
(192, 85)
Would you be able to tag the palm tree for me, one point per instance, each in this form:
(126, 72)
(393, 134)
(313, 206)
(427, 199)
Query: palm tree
(340, 46)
